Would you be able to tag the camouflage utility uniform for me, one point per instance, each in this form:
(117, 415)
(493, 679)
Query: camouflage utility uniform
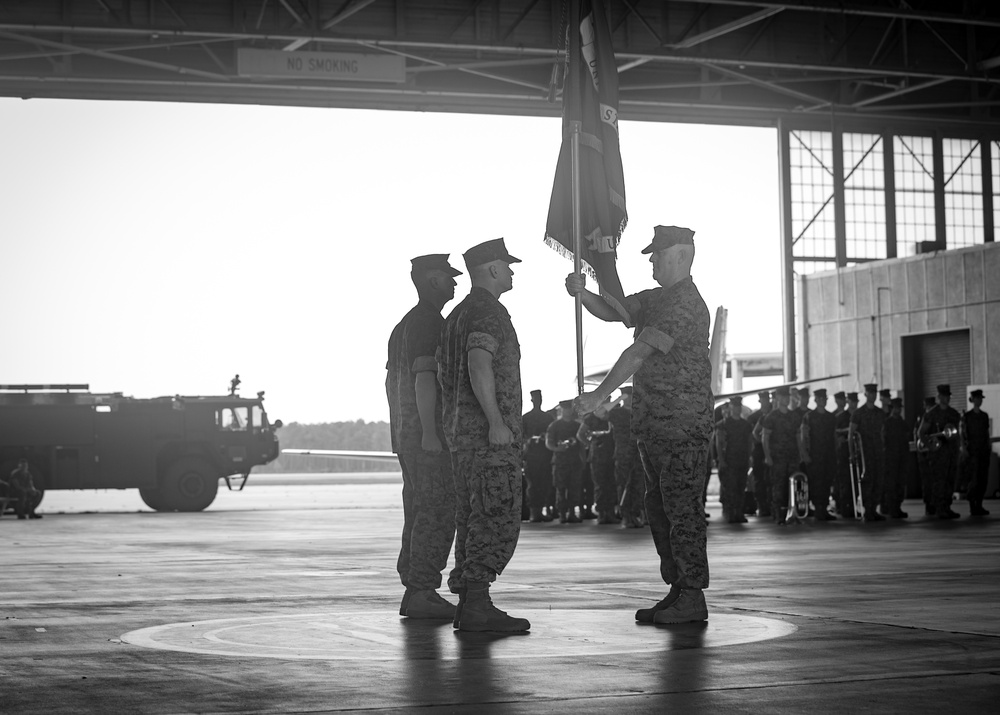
(630, 480)
(487, 478)
(428, 485)
(567, 466)
(672, 423)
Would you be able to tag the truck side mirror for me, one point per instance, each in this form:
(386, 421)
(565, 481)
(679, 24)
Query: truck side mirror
(278, 424)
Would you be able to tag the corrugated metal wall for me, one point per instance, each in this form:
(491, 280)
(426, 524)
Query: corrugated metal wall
(854, 320)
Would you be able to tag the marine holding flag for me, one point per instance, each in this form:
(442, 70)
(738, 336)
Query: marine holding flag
(590, 101)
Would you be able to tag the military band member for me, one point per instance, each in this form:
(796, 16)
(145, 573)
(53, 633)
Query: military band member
(630, 479)
(896, 440)
(885, 401)
(976, 425)
(537, 459)
(596, 434)
(818, 444)
(942, 460)
(761, 472)
(479, 368)
(867, 421)
(567, 461)
(842, 487)
(923, 458)
(734, 444)
(840, 402)
(418, 438)
(671, 415)
(781, 451)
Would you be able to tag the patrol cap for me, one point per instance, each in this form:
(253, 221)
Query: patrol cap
(665, 237)
(487, 252)
(536, 393)
(896, 402)
(976, 393)
(839, 395)
(871, 387)
(887, 394)
(820, 393)
(944, 390)
(930, 401)
(852, 397)
(781, 391)
(434, 262)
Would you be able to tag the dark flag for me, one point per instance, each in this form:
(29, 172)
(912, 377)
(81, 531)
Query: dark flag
(590, 96)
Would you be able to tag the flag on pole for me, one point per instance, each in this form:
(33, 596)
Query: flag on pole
(590, 97)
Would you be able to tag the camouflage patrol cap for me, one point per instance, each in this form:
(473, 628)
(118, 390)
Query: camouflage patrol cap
(434, 262)
(665, 237)
(852, 397)
(487, 252)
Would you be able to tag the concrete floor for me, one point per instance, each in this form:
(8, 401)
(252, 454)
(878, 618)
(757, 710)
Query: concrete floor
(284, 598)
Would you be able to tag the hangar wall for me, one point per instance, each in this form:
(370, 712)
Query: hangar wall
(862, 319)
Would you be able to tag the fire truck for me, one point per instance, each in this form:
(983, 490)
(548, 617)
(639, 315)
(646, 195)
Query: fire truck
(174, 450)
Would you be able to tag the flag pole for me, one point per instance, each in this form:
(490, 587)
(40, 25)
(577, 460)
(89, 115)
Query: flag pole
(575, 128)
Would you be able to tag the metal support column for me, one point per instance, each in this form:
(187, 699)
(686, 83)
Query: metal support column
(940, 215)
(839, 211)
(787, 260)
(986, 151)
(889, 181)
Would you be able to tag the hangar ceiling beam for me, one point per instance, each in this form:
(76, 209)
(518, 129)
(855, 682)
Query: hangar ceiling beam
(729, 27)
(838, 8)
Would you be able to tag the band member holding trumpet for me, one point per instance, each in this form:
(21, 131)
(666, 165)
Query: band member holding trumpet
(939, 435)
(818, 444)
(977, 434)
(781, 451)
(866, 422)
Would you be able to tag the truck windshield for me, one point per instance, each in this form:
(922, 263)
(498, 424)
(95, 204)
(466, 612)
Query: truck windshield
(232, 419)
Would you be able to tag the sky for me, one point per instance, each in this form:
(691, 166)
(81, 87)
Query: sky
(160, 248)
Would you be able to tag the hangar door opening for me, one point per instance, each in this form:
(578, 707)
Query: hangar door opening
(933, 359)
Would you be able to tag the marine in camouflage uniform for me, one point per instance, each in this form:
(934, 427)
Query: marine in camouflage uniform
(597, 434)
(943, 461)
(480, 375)
(671, 415)
(781, 451)
(867, 421)
(734, 440)
(630, 479)
(818, 439)
(418, 439)
(976, 427)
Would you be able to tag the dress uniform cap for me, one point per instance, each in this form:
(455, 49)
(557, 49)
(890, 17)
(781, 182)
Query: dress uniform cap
(487, 252)
(782, 391)
(896, 402)
(821, 392)
(852, 397)
(944, 390)
(665, 237)
(976, 394)
(871, 387)
(565, 403)
(536, 393)
(434, 261)
(885, 393)
(930, 401)
(764, 395)
(735, 400)
(840, 395)
(804, 391)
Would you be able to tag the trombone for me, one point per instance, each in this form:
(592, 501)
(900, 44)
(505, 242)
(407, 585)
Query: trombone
(857, 467)
(798, 497)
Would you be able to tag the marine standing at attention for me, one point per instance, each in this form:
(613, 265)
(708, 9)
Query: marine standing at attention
(479, 368)
(671, 414)
(418, 440)
(867, 421)
(976, 424)
(537, 459)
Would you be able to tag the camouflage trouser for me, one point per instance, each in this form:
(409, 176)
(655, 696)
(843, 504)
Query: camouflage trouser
(488, 515)
(605, 492)
(675, 481)
(568, 481)
(631, 482)
(428, 519)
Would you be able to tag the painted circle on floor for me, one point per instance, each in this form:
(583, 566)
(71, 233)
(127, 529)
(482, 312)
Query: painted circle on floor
(377, 635)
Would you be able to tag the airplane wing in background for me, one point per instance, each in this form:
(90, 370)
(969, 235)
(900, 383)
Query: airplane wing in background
(344, 454)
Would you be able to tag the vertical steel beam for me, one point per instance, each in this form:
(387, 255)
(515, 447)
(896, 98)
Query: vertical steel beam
(986, 153)
(839, 210)
(940, 216)
(787, 258)
(889, 182)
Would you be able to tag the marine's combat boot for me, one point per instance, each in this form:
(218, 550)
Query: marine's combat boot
(645, 615)
(462, 592)
(689, 607)
(426, 603)
(480, 615)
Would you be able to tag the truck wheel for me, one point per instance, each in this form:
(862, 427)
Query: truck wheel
(154, 499)
(190, 484)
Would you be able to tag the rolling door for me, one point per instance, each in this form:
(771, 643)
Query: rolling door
(946, 359)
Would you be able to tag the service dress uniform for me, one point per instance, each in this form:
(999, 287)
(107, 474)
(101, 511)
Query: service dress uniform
(842, 488)
(868, 420)
(896, 438)
(783, 446)
(537, 460)
(735, 436)
(977, 434)
(820, 428)
(760, 475)
(672, 423)
(487, 477)
(428, 484)
(942, 462)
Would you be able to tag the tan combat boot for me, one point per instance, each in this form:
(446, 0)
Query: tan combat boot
(480, 615)
(689, 607)
(426, 604)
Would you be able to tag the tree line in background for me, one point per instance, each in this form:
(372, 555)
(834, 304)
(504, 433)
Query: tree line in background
(355, 436)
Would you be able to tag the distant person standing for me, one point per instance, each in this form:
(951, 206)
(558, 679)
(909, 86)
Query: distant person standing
(781, 451)
(761, 477)
(22, 487)
(923, 458)
(418, 439)
(818, 440)
(867, 421)
(734, 443)
(537, 459)
(896, 438)
(977, 435)
(567, 462)
(597, 435)
(943, 456)
(479, 368)
(842, 490)
(630, 479)
(671, 414)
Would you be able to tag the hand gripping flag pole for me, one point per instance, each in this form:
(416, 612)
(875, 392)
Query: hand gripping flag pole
(587, 210)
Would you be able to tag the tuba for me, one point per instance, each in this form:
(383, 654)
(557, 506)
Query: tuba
(934, 442)
(857, 468)
(798, 497)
